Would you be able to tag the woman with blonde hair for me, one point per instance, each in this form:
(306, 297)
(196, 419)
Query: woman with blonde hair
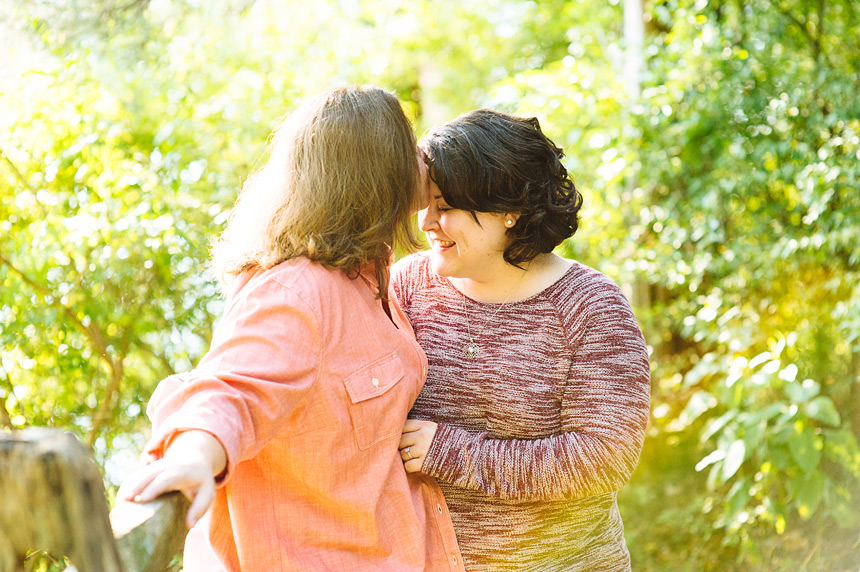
(286, 434)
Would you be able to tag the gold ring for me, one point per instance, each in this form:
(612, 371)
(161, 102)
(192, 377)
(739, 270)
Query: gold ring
(408, 452)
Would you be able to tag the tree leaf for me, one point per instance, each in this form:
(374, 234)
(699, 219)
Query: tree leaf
(808, 490)
(801, 391)
(822, 409)
(715, 425)
(735, 456)
(710, 459)
(805, 450)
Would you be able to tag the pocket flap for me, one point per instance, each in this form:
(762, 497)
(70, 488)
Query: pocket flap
(374, 379)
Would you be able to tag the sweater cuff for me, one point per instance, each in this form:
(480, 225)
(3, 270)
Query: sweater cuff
(448, 457)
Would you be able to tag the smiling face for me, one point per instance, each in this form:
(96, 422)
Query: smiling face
(460, 246)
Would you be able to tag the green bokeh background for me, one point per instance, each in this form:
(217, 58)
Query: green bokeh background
(723, 197)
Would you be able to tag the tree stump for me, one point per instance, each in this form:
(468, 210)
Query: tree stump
(52, 498)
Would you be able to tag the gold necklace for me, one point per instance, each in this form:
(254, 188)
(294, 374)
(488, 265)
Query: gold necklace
(472, 349)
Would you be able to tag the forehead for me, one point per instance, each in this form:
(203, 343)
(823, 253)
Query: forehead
(437, 197)
(436, 192)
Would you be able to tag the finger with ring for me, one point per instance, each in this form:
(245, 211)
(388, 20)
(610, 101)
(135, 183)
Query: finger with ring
(408, 452)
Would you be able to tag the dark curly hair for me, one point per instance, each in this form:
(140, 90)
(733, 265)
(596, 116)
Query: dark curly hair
(488, 161)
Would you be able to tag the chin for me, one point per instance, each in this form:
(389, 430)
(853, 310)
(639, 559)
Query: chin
(439, 266)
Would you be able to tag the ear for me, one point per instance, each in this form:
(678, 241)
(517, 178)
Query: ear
(511, 219)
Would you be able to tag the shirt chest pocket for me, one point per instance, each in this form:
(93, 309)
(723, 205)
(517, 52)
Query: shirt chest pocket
(379, 401)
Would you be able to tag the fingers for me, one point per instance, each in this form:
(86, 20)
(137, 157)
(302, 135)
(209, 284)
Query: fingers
(407, 439)
(414, 466)
(164, 476)
(409, 453)
(421, 429)
(193, 480)
(412, 458)
(415, 443)
(411, 445)
(127, 490)
(201, 503)
(413, 425)
(413, 451)
(163, 482)
(136, 483)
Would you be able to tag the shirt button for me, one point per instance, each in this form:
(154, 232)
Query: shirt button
(375, 382)
(455, 560)
(440, 508)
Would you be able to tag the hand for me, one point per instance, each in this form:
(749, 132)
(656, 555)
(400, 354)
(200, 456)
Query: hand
(189, 465)
(417, 437)
(192, 478)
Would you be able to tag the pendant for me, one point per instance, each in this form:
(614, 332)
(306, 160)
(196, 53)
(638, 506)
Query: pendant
(471, 350)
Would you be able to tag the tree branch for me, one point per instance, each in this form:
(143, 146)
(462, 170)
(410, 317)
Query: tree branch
(161, 358)
(22, 180)
(820, 35)
(816, 41)
(101, 413)
(854, 393)
(93, 335)
(17, 172)
(5, 417)
(797, 21)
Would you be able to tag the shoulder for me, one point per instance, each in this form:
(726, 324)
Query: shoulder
(414, 264)
(273, 303)
(411, 272)
(585, 284)
(592, 308)
(583, 293)
(299, 280)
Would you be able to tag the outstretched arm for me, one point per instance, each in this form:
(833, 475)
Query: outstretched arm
(261, 366)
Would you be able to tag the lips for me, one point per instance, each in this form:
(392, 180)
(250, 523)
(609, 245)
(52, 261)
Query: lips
(442, 244)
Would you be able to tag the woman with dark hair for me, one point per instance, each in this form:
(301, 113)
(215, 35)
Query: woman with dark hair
(286, 434)
(537, 395)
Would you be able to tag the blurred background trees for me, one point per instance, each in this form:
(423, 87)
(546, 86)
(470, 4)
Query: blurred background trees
(722, 193)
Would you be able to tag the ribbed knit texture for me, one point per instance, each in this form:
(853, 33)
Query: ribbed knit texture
(539, 431)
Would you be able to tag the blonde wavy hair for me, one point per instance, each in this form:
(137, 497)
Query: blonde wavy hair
(338, 188)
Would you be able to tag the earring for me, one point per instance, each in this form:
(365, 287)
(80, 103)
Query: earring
(509, 223)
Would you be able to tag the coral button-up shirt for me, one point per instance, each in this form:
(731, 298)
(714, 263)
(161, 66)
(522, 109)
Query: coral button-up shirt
(307, 385)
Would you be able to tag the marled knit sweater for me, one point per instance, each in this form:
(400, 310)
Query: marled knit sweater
(540, 430)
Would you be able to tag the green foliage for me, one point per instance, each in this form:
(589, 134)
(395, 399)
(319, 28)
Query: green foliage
(724, 199)
(749, 220)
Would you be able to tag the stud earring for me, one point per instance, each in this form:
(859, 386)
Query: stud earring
(509, 223)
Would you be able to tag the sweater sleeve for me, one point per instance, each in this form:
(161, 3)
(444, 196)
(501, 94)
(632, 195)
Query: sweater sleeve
(261, 365)
(604, 412)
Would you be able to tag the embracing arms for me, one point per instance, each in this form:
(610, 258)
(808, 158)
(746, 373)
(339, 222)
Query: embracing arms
(603, 415)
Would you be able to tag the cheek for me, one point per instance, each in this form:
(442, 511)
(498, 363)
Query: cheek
(453, 229)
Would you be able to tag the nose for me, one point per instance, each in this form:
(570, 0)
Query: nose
(427, 218)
